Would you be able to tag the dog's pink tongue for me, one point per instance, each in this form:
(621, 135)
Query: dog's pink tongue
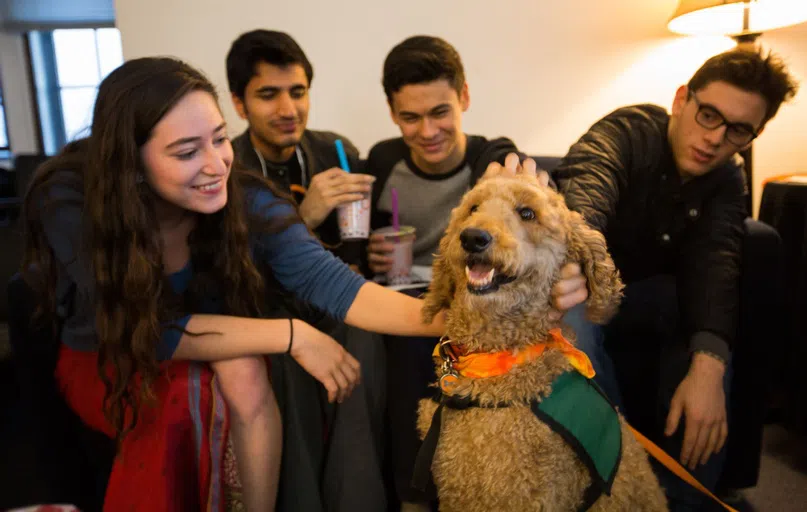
(479, 270)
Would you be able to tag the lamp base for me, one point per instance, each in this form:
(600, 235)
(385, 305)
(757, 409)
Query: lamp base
(747, 41)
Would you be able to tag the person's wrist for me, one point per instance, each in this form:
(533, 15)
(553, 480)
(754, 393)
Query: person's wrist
(297, 334)
(707, 363)
(307, 215)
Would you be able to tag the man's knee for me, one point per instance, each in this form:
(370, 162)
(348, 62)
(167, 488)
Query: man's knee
(759, 234)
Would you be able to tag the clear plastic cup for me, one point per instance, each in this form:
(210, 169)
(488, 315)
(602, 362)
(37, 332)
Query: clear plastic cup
(354, 220)
(401, 240)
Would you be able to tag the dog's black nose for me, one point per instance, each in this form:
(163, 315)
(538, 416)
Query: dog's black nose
(475, 240)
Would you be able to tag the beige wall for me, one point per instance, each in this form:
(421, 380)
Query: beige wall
(539, 72)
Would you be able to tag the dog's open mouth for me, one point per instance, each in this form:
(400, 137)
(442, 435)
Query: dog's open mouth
(483, 276)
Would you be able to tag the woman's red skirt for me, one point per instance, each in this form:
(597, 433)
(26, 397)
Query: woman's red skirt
(172, 460)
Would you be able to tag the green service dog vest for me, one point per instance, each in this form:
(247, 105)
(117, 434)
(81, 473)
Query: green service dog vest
(577, 410)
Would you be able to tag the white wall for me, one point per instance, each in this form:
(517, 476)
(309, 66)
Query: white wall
(539, 72)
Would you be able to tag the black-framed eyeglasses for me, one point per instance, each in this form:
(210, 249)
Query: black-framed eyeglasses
(710, 118)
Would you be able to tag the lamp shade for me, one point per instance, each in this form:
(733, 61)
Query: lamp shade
(735, 17)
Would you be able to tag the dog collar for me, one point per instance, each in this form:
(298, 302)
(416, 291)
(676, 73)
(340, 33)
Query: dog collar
(456, 362)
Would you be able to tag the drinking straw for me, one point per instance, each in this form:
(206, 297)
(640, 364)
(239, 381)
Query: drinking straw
(340, 150)
(395, 225)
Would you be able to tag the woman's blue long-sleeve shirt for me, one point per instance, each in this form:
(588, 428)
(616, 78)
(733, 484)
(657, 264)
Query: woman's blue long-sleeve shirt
(298, 261)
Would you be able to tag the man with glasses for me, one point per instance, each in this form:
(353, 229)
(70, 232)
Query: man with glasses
(668, 191)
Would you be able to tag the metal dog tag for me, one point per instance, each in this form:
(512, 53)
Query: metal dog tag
(449, 382)
(450, 379)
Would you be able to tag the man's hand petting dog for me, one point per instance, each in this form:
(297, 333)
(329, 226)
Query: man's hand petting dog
(569, 291)
(513, 167)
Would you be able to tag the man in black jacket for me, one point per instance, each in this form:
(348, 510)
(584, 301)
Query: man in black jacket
(669, 194)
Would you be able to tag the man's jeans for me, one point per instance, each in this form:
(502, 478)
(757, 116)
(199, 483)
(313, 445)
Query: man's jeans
(640, 358)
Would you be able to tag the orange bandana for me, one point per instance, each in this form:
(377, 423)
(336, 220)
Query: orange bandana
(491, 364)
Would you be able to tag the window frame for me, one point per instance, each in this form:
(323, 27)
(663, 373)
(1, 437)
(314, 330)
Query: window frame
(4, 150)
(46, 87)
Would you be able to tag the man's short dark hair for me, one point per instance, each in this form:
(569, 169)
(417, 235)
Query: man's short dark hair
(750, 71)
(422, 59)
(252, 48)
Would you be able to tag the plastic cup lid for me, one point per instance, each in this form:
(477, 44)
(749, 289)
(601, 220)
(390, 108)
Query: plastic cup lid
(389, 231)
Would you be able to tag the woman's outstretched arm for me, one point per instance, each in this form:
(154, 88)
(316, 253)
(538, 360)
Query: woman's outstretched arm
(385, 311)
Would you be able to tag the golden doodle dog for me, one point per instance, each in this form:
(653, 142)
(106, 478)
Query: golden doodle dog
(518, 425)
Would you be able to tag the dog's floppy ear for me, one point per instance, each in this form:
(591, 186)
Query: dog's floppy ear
(587, 247)
(442, 287)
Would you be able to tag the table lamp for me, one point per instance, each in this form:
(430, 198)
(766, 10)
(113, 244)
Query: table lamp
(744, 21)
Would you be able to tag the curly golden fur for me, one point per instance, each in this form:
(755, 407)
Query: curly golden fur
(505, 459)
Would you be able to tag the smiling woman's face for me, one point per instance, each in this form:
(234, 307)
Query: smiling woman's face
(188, 156)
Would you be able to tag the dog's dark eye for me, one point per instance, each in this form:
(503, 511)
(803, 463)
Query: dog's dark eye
(526, 213)
(474, 208)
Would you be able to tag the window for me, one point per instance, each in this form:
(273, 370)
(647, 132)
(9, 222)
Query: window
(3, 129)
(68, 66)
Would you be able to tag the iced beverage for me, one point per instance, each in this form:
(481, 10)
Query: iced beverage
(354, 220)
(401, 240)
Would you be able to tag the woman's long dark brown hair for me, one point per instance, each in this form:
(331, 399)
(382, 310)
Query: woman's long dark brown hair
(121, 240)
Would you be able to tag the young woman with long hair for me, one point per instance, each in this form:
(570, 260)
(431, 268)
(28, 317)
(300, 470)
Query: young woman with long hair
(151, 247)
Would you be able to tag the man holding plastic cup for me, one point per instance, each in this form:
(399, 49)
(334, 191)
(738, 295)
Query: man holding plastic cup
(269, 77)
